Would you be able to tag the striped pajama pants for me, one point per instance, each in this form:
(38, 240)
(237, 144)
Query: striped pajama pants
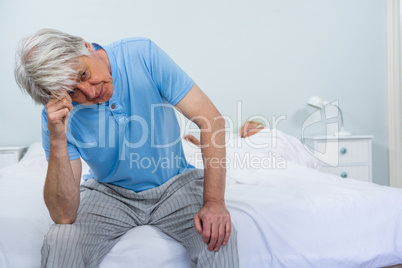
(107, 212)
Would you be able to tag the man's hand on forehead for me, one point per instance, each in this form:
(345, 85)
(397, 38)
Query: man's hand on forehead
(60, 100)
(58, 111)
(60, 95)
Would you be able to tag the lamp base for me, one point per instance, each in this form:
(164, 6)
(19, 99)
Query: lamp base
(342, 133)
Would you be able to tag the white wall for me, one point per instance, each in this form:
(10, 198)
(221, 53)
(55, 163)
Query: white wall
(271, 55)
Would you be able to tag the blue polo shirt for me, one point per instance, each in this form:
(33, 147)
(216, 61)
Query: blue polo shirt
(133, 140)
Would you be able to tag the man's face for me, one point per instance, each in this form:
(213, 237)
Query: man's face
(95, 81)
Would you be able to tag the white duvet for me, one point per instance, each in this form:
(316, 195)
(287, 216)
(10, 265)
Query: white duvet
(287, 215)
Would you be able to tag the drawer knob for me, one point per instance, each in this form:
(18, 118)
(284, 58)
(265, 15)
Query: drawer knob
(344, 174)
(343, 150)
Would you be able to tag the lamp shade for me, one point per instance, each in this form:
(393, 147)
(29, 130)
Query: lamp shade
(319, 103)
(316, 102)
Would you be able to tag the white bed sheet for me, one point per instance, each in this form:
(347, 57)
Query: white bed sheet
(293, 217)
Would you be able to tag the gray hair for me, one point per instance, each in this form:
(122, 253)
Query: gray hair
(46, 62)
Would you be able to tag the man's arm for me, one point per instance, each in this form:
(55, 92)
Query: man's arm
(212, 222)
(61, 191)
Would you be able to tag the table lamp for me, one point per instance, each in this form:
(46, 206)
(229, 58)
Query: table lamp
(319, 103)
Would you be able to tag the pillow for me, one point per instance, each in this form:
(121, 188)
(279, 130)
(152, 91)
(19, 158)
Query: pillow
(35, 156)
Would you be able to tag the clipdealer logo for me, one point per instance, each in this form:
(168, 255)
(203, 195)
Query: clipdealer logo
(327, 151)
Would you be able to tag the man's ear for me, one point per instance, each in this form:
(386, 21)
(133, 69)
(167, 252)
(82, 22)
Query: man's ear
(89, 47)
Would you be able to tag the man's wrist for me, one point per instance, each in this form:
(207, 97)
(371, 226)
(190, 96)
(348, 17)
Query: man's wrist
(58, 147)
(58, 142)
(214, 201)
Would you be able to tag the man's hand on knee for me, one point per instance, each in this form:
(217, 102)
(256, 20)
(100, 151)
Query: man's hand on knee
(213, 223)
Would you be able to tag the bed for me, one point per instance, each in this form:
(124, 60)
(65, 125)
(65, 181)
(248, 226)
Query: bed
(287, 213)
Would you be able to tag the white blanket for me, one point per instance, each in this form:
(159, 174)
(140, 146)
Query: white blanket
(285, 217)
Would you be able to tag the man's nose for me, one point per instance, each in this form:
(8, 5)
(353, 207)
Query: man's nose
(88, 89)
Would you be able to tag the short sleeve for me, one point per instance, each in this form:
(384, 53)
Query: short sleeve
(172, 82)
(72, 150)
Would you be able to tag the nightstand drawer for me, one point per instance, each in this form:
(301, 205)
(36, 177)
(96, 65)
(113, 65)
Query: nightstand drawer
(346, 151)
(344, 156)
(354, 172)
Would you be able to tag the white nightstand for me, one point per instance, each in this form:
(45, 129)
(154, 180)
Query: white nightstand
(11, 155)
(346, 156)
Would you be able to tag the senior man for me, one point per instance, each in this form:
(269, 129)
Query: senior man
(112, 106)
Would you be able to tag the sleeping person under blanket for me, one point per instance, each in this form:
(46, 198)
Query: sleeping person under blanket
(259, 138)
